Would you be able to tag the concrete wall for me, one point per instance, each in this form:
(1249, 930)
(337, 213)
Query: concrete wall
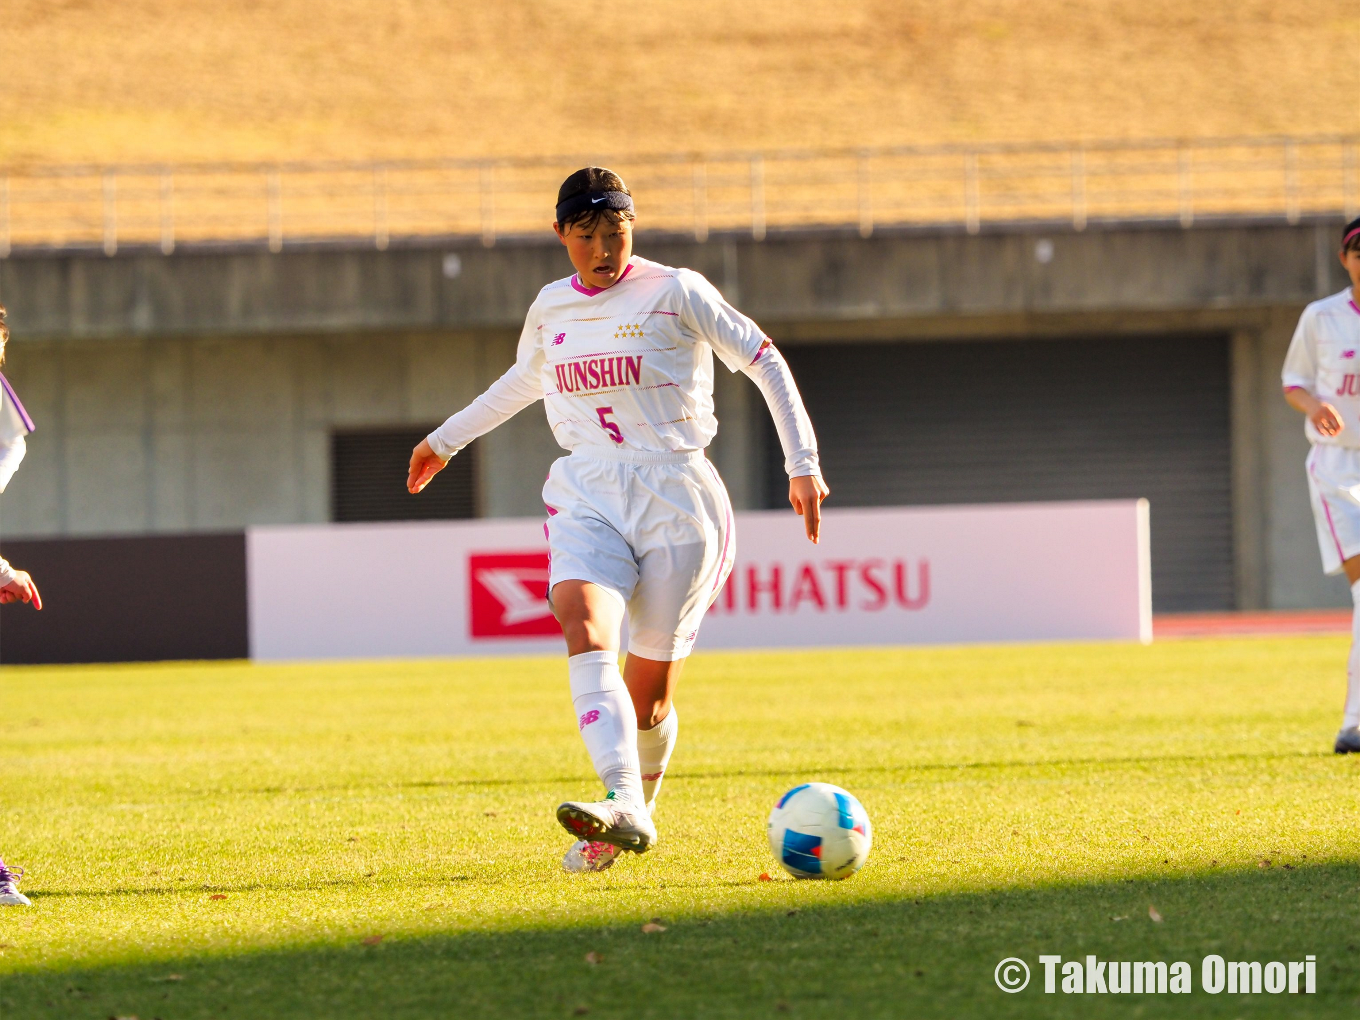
(186, 434)
(190, 434)
(197, 392)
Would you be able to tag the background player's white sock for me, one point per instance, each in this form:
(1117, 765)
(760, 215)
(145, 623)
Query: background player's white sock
(654, 752)
(604, 713)
(1352, 717)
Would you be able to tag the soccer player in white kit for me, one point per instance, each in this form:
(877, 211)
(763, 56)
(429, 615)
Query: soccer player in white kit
(15, 585)
(1322, 379)
(621, 354)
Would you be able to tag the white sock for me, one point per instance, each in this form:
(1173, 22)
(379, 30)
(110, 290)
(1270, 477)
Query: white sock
(608, 724)
(1352, 717)
(654, 752)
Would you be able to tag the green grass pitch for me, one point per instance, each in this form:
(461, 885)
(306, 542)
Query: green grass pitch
(377, 840)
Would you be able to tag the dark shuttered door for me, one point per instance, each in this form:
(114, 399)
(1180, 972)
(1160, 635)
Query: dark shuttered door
(987, 422)
(368, 479)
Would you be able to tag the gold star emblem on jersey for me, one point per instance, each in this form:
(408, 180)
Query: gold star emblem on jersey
(629, 331)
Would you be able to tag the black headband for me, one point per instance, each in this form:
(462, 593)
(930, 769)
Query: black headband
(591, 201)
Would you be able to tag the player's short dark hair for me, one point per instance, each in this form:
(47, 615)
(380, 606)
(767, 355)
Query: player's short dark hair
(4, 334)
(1350, 235)
(593, 181)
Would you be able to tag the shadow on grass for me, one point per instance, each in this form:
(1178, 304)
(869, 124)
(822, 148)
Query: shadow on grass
(779, 773)
(909, 957)
(378, 884)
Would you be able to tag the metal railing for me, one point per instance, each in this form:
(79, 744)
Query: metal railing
(110, 207)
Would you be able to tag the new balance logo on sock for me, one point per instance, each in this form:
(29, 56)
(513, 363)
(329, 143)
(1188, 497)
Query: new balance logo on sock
(653, 777)
(592, 716)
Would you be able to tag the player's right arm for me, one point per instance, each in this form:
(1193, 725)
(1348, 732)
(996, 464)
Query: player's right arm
(1299, 378)
(1322, 414)
(519, 387)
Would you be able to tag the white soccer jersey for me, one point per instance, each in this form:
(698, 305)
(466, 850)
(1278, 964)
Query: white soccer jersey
(1324, 359)
(630, 367)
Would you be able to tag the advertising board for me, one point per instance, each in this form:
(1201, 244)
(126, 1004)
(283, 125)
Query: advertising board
(889, 576)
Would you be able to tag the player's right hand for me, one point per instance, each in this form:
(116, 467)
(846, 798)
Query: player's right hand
(21, 589)
(425, 464)
(1326, 420)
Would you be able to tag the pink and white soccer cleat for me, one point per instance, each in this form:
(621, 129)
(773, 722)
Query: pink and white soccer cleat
(612, 820)
(590, 856)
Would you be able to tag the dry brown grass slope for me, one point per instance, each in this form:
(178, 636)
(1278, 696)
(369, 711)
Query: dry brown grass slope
(93, 80)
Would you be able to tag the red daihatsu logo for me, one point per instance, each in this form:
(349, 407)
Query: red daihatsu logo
(508, 595)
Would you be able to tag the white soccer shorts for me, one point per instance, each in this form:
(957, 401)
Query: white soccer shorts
(653, 529)
(1334, 485)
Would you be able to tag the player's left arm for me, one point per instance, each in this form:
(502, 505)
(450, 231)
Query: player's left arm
(772, 377)
(741, 345)
(17, 586)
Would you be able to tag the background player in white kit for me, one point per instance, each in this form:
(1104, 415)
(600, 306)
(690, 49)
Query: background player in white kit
(15, 585)
(1322, 379)
(622, 356)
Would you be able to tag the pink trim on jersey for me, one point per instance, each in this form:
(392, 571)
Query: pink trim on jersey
(727, 532)
(605, 354)
(1331, 525)
(577, 285)
(1354, 307)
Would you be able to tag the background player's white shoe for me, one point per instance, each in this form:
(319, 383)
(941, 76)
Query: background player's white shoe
(10, 896)
(590, 856)
(612, 820)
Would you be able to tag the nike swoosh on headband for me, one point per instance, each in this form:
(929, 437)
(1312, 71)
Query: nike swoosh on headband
(595, 201)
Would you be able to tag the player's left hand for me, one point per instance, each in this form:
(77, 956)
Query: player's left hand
(425, 464)
(21, 589)
(806, 493)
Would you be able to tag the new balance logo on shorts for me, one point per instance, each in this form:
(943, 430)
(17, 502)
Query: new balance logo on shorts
(592, 716)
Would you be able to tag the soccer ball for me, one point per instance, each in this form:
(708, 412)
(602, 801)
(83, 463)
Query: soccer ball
(819, 831)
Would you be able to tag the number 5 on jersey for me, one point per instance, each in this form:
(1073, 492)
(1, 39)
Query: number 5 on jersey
(608, 425)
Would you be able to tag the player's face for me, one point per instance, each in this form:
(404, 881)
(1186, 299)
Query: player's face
(1350, 258)
(598, 250)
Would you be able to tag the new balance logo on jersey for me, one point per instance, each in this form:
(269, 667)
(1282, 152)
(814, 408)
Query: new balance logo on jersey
(592, 374)
(1348, 354)
(557, 340)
